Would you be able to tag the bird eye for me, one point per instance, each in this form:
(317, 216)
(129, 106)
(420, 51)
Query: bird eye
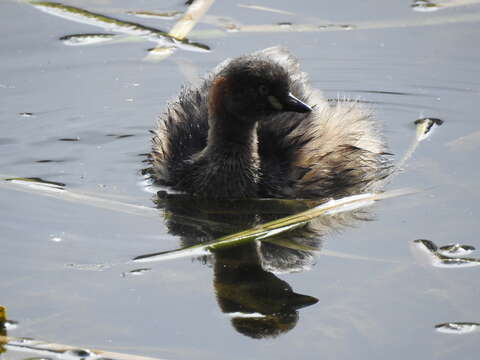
(263, 90)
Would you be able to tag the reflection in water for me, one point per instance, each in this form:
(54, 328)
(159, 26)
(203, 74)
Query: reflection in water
(261, 304)
(245, 276)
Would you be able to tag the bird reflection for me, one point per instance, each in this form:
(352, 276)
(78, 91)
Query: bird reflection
(260, 304)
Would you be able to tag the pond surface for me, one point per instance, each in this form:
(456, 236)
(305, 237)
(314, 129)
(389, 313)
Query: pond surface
(80, 115)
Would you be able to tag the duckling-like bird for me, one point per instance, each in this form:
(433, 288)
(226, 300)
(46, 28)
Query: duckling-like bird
(247, 132)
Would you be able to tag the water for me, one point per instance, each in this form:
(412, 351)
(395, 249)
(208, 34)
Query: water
(79, 115)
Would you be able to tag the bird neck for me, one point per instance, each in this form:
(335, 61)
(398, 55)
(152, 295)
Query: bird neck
(229, 136)
(228, 133)
(229, 166)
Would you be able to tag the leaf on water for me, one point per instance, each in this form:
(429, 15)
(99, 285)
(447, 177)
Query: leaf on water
(87, 39)
(457, 328)
(456, 249)
(458, 262)
(425, 127)
(428, 252)
(428, 245)
(159, 53)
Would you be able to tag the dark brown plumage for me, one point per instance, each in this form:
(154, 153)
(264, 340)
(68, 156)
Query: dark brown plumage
(241, 135)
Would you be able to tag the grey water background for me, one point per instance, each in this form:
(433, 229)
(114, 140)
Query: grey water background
(384, 306)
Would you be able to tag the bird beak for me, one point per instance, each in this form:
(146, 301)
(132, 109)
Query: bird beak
(291, 103)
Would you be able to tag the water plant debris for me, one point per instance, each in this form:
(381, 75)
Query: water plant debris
(272, 228)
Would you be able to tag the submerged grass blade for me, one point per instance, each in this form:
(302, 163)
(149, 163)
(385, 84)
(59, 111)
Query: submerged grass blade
(266, 231)
(290, 222)
(195, 250)
(423, 129)
(181, 29)
(58, 191)
(108, 23)
(42, 348)
(88, 39)
(194, 13)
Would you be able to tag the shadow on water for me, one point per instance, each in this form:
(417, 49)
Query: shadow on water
(260, 304)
